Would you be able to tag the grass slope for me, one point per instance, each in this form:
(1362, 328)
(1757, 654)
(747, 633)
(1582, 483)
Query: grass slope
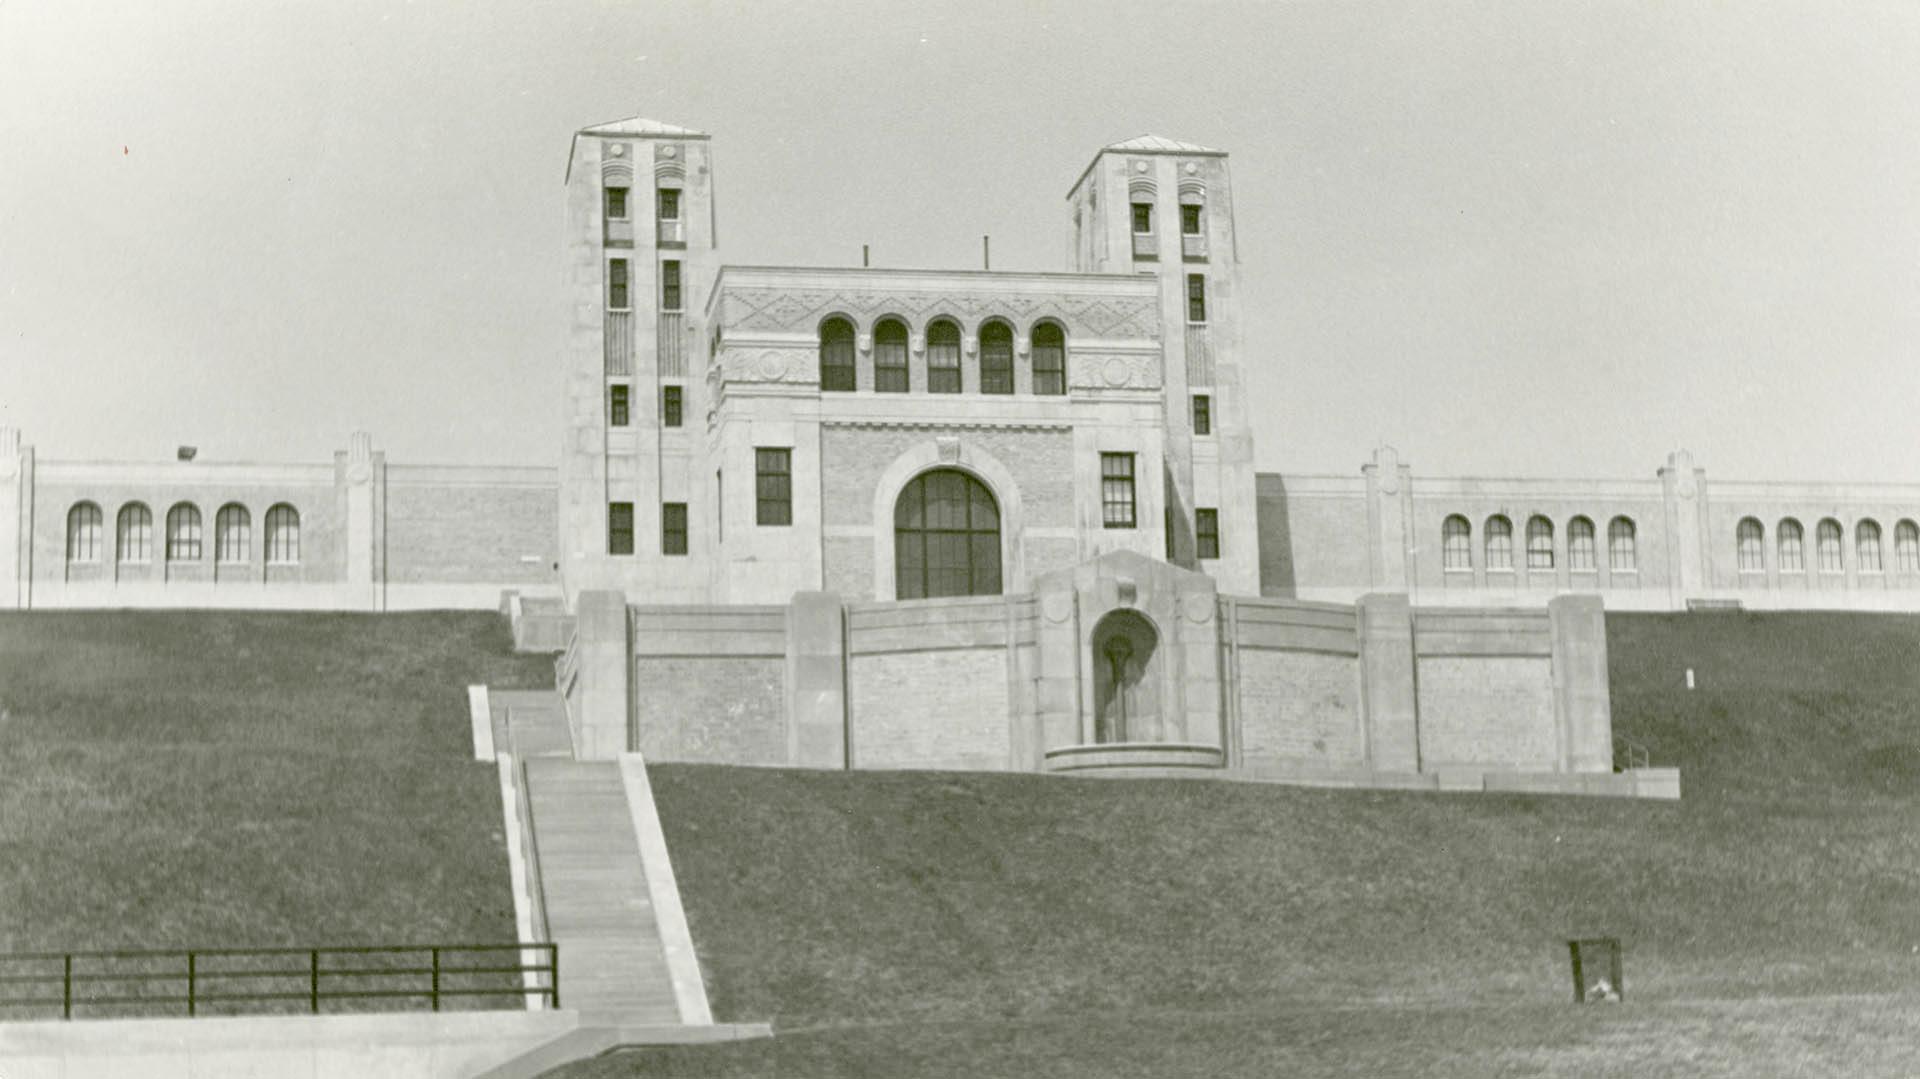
(984, 924)
(248, 779)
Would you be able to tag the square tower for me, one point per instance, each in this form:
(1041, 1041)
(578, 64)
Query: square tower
(640, 250)
(1160, 207)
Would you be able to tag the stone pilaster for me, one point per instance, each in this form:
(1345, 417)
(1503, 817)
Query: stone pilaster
(1582, 707)
(598, 709)
(1386, 682)
(817, 730)
(16, 498)
(1683, 489)
(1389, 521)
(362, 488)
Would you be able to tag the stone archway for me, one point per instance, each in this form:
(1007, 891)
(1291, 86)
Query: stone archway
(1126, 679)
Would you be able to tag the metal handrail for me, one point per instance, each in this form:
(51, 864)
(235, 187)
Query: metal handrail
(1635, 753)
(208, 975)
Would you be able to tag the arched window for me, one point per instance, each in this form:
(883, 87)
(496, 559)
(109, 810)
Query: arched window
(232, 534)
(1499, 533)
(1049, 359)
(1581, 553)
(1622, 553)
(1906, 547)
(943, 357)
(133, 533)
(1456, 544)
(946, 537)
(1866, 546)
(283, 534)
(1539, 543)
(996, 358)
(890, 356)
(1827, 546)
(1750, 546)
(183, 533)
(83, 532)
(1787, 537)
(836, 355)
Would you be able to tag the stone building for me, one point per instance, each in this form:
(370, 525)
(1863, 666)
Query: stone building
(854, 517)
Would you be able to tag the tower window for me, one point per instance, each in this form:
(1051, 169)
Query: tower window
(617, 203)
(1206, 532)
(619, 406)
(1116, 490)
(1202, 414)
(617, 284)
(1196, 297)
(669, 204)
(1190, 220)
(670, 285)
(619, 528)
(773, 489)
(673, 528)
(1143, 217)
(670, 406)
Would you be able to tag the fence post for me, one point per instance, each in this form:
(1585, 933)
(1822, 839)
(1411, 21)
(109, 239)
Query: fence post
(66, 990)
(192, 964)
(553, 974)
(313, 985)
(436, 979)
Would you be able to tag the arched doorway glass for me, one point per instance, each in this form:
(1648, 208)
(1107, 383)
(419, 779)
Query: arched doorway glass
(946, 537)
(1126, 701)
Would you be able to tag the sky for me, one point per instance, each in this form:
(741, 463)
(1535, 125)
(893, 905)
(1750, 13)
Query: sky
(1525, 238)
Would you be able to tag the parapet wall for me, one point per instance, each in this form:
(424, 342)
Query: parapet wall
(1254, 687)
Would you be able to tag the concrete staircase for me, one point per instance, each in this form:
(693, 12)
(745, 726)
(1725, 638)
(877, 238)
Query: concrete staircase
(530, 723)
(613, 967)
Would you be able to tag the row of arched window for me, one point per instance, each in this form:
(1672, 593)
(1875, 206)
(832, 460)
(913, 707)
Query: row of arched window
(134, 541)
(1829, 547)
(1583, 554)
(839, 371)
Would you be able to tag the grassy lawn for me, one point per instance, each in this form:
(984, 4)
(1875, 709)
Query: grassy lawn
(935, 925)
(249, 779)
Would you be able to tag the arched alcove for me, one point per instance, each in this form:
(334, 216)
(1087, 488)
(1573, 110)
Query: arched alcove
(1126, 679)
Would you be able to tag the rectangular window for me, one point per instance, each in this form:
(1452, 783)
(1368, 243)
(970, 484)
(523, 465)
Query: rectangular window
(670, 285)
(1116, 490)
(673, 528)
(670, 406)
(617, 284)
(618, 406)
(1202, 414)
(619, 528)
(1196, 297)
(669, 204)
(1143, 217)
(616, 203)
(1190, 220)
(1206, 532)
(773, 487)
(943, 358)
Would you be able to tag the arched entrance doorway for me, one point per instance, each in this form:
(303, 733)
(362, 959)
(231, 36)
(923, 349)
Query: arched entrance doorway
(946, 537)
(1125, 668)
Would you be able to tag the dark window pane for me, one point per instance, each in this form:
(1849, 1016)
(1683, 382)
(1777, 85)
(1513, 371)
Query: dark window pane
(1202, 414)
(1116, 490)
(1196, 297)
(670, 285)
(670, 405)
(836, 356)
(617, 406)
(620, 528)
(1190, 220)
(943, 358)
(1143, 217)
(946, 537)
(673, 528)
(1206, 530)
(616, 202)
(890, 357)
(617, 284)
(669, 204)
(996, 358)
(773, 487)
(1049, 359)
